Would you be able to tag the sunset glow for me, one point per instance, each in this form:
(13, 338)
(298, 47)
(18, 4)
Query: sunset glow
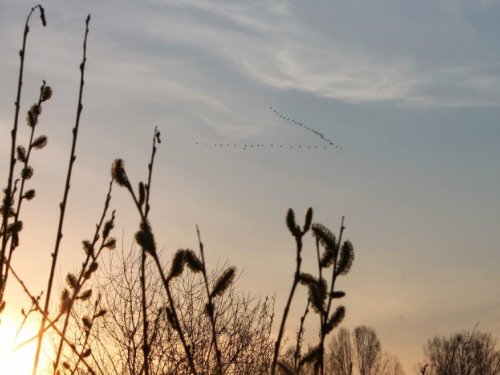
(17, 361)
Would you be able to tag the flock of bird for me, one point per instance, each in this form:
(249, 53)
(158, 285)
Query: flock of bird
(306, 127)
(256, 145)
(273, 145)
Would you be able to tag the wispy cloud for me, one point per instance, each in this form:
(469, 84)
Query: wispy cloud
(435, 54)
(429, 57)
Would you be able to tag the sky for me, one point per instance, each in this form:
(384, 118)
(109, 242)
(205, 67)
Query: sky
(409, 91)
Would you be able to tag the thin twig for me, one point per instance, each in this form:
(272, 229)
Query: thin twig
(326, 313)
(147, 234)
(62, 205)
(87, 335)
(7, 200)
(47, 318)
(210, 307)
(142, 275)
(297, 234)
(80, 282)
(300, 334)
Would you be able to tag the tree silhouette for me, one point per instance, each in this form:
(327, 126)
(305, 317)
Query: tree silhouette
(243, 326)
(360, 352)
(465, 353)
(367, 349)
(341, 353)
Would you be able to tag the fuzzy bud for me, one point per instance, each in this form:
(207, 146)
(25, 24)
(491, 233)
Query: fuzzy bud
(327, 258)
(21, 154)
(15, 227)
(142, 193)
(92, 268)
(27, 173)
(29, 195)
(177, 263)
(193, 262)
(87, 323)
(101, 313)
(40, 142)
(145, 238)
(42, 15)
(346, 258)
(118, 173)
(334, 320)
(290, 222)
(32, 115)
(108, 226)
(31, 119)
(85, 295)
(308, 220)
(88, 247)
(72, 281)
(337, 294)
(46, 93)
(223, 282)
(324, 236)
(110, 244)
(311, 356)
(65, 301)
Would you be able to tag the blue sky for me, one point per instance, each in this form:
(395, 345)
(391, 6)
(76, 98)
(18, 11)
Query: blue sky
(410, 90)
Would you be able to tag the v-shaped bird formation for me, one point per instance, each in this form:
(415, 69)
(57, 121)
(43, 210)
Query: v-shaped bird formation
(245, 146)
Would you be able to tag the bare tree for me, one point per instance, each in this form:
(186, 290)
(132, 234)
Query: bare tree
(367, 349)
(341, 353)
(463, 353)
(243, 324)
(389, 364)
(360, 352)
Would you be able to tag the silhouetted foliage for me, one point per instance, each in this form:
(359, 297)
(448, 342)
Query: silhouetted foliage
(465, 353)
(9, 229)
(138, 318)
(243, 324)
(333, 257)
(341, 353)
(360, 352)
(367, 349)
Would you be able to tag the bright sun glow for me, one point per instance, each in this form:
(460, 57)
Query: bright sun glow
(20, 361)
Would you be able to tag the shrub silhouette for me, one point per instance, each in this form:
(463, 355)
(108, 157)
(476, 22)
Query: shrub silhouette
(243, 322)
(332, 255)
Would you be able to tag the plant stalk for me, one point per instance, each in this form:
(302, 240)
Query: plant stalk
(62, 205)
(298, 241)
(7, 200)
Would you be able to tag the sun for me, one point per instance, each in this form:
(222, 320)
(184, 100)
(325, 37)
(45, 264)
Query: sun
(16, 361)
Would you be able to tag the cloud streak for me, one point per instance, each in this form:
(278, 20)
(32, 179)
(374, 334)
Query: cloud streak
(390, 58)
